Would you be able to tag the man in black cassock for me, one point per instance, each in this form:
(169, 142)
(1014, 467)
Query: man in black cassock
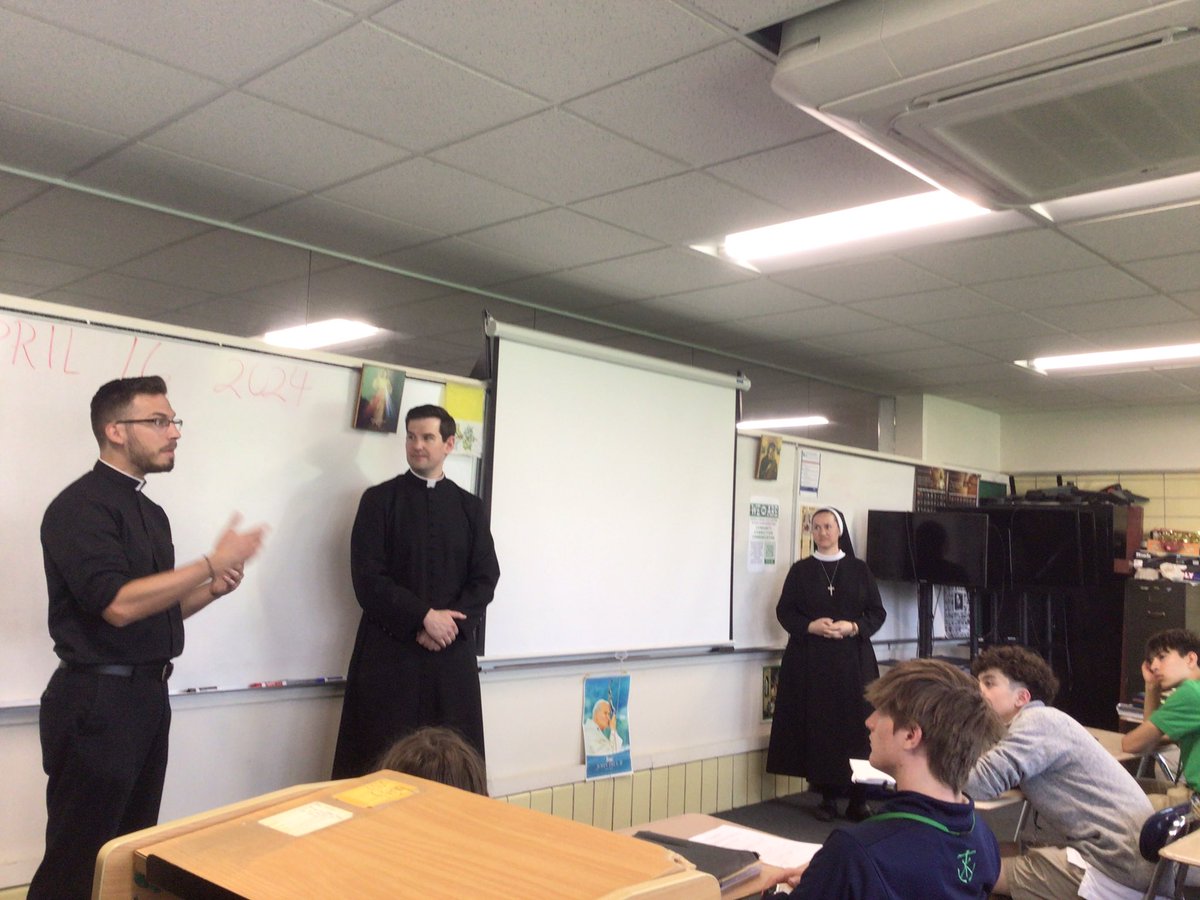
(424, 570)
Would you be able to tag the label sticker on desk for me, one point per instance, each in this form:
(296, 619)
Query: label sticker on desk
(377, 793)
(306, 819)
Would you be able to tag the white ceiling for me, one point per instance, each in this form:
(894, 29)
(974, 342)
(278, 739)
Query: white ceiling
(551, 155)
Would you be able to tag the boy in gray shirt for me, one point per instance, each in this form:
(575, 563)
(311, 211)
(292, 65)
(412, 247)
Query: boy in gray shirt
(1072, 782)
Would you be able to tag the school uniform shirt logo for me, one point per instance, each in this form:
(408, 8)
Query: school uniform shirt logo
(966, 866)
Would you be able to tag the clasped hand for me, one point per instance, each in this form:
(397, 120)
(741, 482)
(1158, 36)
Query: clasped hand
(440, 628)
(829, 628)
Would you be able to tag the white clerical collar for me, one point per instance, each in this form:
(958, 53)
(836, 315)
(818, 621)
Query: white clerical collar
(829, 557)
(430, 482)
(141, 482)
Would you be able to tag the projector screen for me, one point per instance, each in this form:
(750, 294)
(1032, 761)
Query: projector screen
(611, 500)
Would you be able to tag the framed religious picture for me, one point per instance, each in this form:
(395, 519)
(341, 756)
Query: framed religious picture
(770, 687)
(379, 390)
(767, 466)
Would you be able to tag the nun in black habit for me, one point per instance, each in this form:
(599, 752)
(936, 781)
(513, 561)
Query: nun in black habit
(830, 607)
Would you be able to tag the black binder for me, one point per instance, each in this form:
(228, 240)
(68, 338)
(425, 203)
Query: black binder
(727, 866)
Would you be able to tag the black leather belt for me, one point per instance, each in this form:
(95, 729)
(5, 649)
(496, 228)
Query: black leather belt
(156, 671)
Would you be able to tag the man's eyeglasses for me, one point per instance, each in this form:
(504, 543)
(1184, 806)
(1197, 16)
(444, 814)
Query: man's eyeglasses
(162, 423)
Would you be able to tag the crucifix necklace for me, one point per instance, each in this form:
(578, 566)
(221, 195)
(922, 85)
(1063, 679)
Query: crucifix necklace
(829, 578)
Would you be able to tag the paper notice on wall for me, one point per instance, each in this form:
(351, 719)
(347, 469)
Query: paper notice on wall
(810, 471)
(764, 534)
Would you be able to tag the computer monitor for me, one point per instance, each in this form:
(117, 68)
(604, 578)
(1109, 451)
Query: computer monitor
(889, 554)
(951, 548)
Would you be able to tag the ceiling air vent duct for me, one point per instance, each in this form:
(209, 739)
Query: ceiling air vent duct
(1007, 102)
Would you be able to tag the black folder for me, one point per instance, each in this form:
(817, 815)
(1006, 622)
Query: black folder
(727, 866)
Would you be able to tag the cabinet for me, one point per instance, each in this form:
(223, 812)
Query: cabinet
(1150, 607)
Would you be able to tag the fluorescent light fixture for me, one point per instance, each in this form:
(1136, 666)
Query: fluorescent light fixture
(793, 422)
(847, 225)
(320, 334)
(1138, 357)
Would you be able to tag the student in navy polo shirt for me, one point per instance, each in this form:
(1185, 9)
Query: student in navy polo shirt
(929, 726)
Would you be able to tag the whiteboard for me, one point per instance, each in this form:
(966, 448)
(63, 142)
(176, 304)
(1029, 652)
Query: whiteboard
(849, 482)
(611, 492)
(266, 435)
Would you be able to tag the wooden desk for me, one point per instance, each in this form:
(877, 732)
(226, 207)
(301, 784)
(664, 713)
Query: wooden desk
(1112, 743)
(689, 825)
(1173, 862)
(395, 836)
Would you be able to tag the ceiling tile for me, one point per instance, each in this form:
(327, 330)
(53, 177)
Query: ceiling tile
(147, 295)
(689, 208)
(1033, 346)
(931, 306)
(47, 145)
(750, 15)
(76, 79)
(252, 35)
(434, 196)
(864, 279)
(1030, 252)
(667, 271)
(347, 291)
(221, 262)
(743, 299)
(880, 340)
(232, 315)
(565, 326)
(175, 182)
(568, 291)
(1190, 299)
(1116, 313)
(378, 84)
(335, 226)
(246, 134)
(1105, 337)
(564, 49)
(139, 304)
(15, 191)
(560, 239)
(672, 109)
(933, 358)
(791, 352)
(42, 273)
(1166, 232)
(459, 262)
(558, 157)
(989, 327)
(448, 313)
(1170, 274)
(805, 325)
(1062, 288)
(84, 230)
(638, 316)
(819, 175)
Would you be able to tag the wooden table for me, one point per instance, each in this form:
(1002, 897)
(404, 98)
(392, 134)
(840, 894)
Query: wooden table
(393, 836)
(1112, 743)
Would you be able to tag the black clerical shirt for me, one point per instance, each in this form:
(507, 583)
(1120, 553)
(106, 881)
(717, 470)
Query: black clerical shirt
(97, 535)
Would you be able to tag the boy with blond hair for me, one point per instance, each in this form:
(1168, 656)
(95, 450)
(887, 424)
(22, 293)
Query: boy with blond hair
(929, 726)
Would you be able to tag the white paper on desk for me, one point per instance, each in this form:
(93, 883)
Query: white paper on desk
(862, 772)
(774, 851)
(306, 819)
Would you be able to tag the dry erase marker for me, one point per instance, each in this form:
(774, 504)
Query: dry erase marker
(268, 684)
(200, 690)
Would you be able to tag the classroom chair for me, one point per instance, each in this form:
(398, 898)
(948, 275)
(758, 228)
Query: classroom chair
(1159, 831)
